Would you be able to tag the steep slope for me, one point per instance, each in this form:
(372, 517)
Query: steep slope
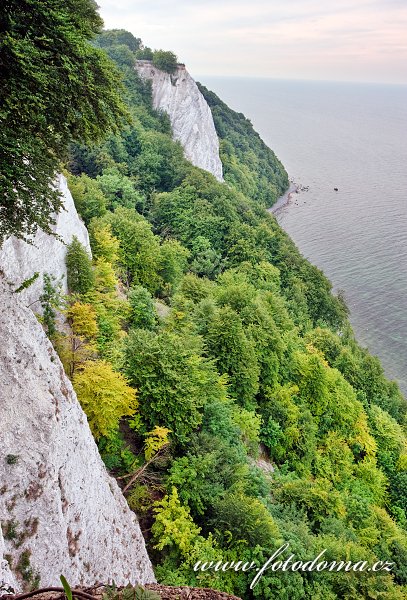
(20, 260)
(248, 164)
(60, 511)
(190, 116)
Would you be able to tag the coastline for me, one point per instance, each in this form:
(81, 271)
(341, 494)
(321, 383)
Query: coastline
(284, 200)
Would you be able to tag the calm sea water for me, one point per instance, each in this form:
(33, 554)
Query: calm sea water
(353, 137)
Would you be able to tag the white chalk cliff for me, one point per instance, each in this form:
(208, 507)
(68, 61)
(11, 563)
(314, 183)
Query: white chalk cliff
(60, 511)
(190, 116)
(20, 260)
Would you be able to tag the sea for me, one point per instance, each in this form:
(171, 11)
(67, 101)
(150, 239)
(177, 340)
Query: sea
(352, 137)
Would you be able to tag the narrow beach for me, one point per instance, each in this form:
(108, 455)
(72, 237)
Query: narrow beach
(285, 199)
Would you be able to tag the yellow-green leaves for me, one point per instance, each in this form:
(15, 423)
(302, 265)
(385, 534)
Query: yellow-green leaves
(105, 396)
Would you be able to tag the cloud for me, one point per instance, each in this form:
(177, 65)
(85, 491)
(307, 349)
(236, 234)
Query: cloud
(343, 39)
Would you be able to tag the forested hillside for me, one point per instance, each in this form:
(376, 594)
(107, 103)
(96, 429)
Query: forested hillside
(235, 345)
(220, 376)
(248, 164)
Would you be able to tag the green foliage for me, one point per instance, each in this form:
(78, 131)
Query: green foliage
(251, 346)
(249, 424)
(103, 243)
(105, 396)
(173, 525)
(139, 499)
(192, 475)
(317, 497)
(116, 454)
(139, 256)
(179, 538)
(79, 268)
(171, 380)
(82, 319)
(119, 190)
(141, 593)
(26, 284)
(160, 163)
(143, 314)
(12, 459)
(144, 53)
(165, 61)
(51, 301)
(113, 37)
(67, 588)
(50, 75)
(105, 277)
(131, 593)
(155, 441)
(244, 518)
(88, 196)
(206, 261)
(248, 164)
(174, 262)
(235, 354)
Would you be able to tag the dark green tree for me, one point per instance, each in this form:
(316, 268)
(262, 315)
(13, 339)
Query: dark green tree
(165, 60)
(145, 53)
(56, 87)
(143, 313)
(79, 266)
(118, 37)
(235, 354)
(171, 379)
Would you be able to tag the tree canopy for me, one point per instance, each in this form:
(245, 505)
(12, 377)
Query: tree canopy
(259, 417)
(55, 87)
(165, 60)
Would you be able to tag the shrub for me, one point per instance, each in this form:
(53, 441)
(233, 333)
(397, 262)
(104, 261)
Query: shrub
(143, 314)
(105, 396)
(165, 61)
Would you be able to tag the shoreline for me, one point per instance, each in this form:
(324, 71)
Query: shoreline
(284, 200)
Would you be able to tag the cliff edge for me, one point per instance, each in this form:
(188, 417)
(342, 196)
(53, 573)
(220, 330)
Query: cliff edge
(191, 118)
(19, 260)
(60, 511)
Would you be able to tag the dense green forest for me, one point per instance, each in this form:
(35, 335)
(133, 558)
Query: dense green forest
(219, 374)
(238, 351)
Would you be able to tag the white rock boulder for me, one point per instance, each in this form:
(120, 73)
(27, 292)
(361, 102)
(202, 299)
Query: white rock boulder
(190, 116)
(60, 511)
(20, 260)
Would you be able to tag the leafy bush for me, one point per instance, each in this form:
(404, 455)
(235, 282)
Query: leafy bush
(165, 61)
(143, 314)
(171, 380)
(105, 396)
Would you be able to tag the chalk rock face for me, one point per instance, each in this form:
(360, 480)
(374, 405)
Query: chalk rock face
(7, 579)
(190, 116)
(20, 260)
(60, 511)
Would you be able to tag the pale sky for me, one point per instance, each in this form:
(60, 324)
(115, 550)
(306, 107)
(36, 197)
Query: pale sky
(342, 40)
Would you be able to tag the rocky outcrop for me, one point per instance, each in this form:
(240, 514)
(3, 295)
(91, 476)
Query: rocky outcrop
(60, 511)
(20, 260)
(190, 116)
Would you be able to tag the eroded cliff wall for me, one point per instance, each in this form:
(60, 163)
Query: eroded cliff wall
(60, 511)
(190, 116)
(20, 260)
